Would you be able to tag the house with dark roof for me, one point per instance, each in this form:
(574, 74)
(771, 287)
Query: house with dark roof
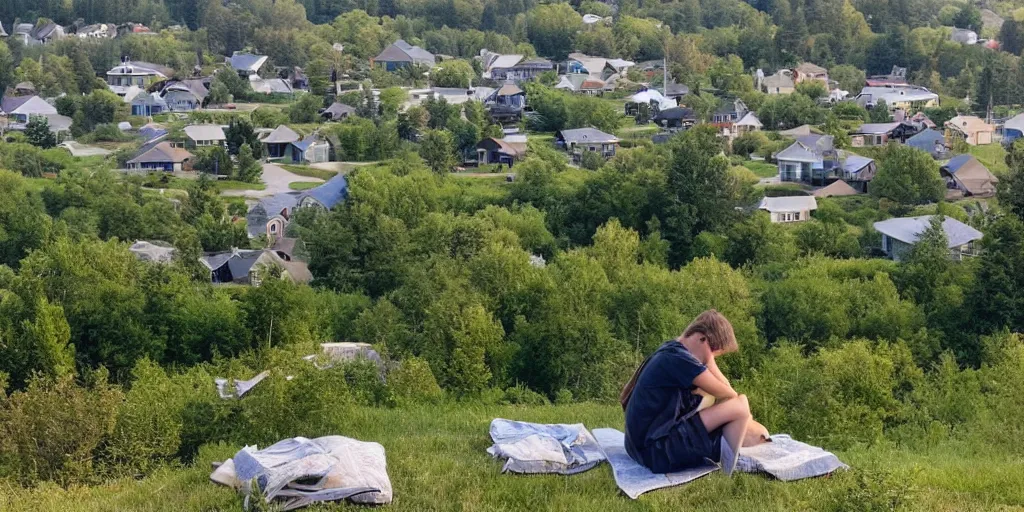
(856, 170)
(310, 150)
(402, 54)
(161, 156)
(966, 176)
(880, 134)
(505, 105)
(46, 33)
(278, 143)
(338, 112)
(185, 95)
(491, 150)
(930, 141)
(271, 215)
(900, 234)
(675, 118)
(730, 111)
(252, 267)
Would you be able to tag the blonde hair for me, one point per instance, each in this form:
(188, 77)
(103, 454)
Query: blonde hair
(716, 328)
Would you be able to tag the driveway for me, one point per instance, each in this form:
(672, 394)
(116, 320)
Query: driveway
(276, 180)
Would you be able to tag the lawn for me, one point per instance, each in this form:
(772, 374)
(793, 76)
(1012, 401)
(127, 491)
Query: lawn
(309, 172)
(436, 462)
(303, 185)
(222, 185)
(992, 156)
(762, 169)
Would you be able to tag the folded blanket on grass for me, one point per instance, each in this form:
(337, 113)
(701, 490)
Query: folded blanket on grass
(788, 459)
(539, 448)
(633, 478)
(782, 458)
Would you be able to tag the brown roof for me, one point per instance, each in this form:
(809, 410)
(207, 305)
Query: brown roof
(509, 90)
(808, 68)
(974, 177)
(838, 188)
(970, 124)
(162, 152)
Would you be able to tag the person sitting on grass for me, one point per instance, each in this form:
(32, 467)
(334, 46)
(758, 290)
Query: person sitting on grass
(667, 429)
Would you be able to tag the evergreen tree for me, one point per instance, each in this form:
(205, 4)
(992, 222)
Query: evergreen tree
(38, 133)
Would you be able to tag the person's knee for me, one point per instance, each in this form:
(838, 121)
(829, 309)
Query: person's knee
(744, 406)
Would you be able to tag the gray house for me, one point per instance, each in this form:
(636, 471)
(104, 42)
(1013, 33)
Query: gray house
(811, 158)
(580, 140)
(402, 54)
(899, 234)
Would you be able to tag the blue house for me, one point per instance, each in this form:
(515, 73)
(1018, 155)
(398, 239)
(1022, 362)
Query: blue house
(930, 141)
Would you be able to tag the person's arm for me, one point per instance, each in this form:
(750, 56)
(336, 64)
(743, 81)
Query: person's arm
(711, 385)
(713, 368)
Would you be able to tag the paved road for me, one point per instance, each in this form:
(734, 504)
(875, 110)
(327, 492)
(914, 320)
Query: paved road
(276, 179)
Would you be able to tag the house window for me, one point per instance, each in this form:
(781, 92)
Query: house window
(878, 140)
(273, 228)
(796, 216)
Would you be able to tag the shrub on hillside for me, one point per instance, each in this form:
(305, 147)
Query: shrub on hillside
(53, 429)
(411, 381)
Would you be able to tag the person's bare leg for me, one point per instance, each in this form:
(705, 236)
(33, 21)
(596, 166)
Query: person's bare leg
(732, 416)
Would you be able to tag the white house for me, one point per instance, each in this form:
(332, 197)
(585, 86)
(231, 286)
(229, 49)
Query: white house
(790, 208)
(201, 135)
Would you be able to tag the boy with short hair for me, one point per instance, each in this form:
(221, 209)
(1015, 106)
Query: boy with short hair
(667, 430)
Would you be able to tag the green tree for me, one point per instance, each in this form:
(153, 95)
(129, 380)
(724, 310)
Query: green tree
(551, 28)
(306, 109)
(908, 176)
(437, 148)
(214, 160)
(98, 107)
(880, 113)
(7, 66)
(240, 133)
(840, 135)
(968, 17)
(453, 73)
(38, 133)
(248, 169)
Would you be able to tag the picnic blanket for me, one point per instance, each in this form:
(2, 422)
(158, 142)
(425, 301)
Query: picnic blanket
(540, 448)
(297, 472)
(635, 479)
(783, 458)
(788, 459)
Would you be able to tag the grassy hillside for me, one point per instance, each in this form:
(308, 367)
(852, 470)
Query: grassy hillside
(436, 461)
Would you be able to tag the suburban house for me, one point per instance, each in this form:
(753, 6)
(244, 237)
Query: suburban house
(908, 98)
(252, 266)
(311, 150)
(270, 86)
(747, 124)
(811, 158)
(505, 105)
(139, 74)
(504, 151)
(246, 64)
(729, 111)
(674, 91)
(44, 33)
(338, 112)
(1013, 129)
(143, 103)
(402, 54)
(277, 144)
(930, 141)
(600, 68)
(652, 98)
(578, 140)
(789, 208)
(837, 188)
(971, 129)
(899, 234)
(966, 176)
(161, 156)
(879, 134)
(19, 109)
(779, 83)
(203, 135)
(856, 170)
(920, 121)
(184, 95)
(23, 32)
(512, 67)
(675, 118)
(808, 72)
(270, 216)
(581, 83)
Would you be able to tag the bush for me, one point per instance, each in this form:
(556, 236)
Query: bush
(522, 395)
(52, 429)
(411, 382)
(150, 421)
(107, 133)
(591, 161)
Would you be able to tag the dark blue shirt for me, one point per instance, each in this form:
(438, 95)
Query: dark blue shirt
(663, 394)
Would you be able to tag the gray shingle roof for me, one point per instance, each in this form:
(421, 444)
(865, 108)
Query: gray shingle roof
(247, 62)
(199, 132)
(909, 229)
(281, 135)
(587, 135)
